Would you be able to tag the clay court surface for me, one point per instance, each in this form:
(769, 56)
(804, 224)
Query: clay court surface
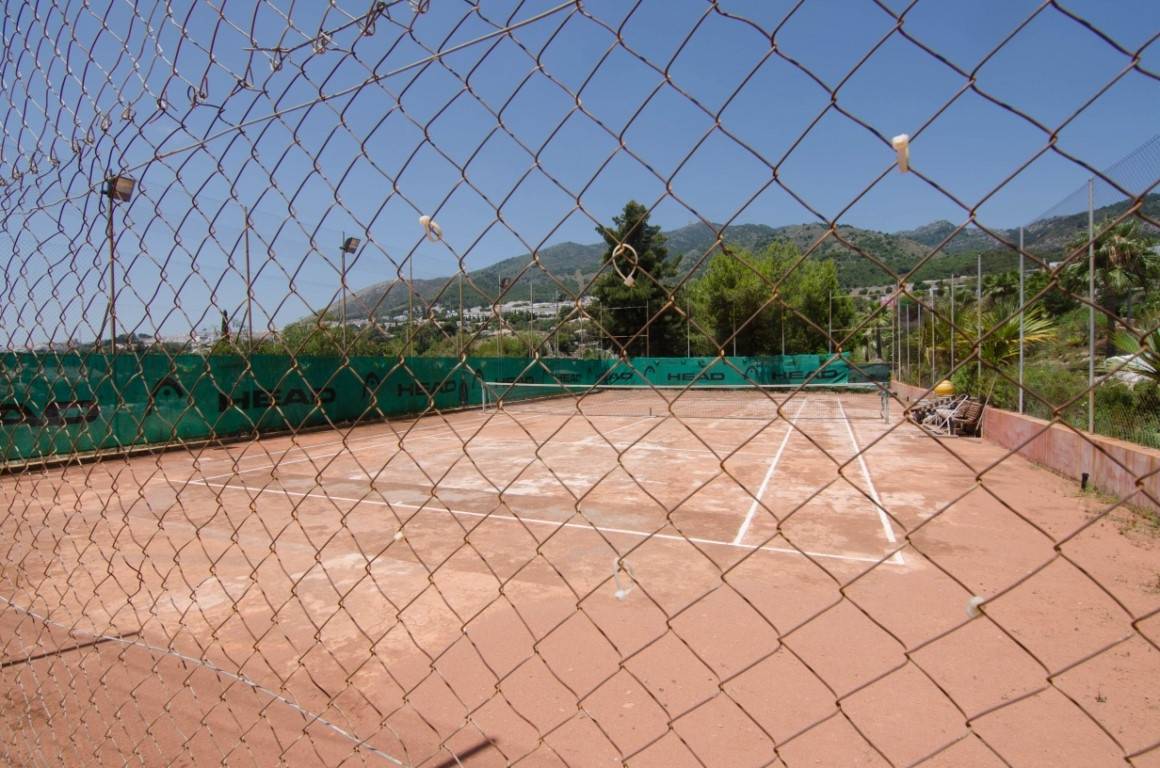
(794, 592)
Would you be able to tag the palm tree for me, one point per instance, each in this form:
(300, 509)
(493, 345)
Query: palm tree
(1000, 344)
(1124, 263)
(1000, 337)
(1139, 359)
(1001, 286)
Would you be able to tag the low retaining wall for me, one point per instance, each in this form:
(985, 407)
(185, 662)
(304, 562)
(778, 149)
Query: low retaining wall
(1113, 466)
(907, 393)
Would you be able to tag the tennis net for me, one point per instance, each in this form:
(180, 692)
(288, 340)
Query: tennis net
(757, 401)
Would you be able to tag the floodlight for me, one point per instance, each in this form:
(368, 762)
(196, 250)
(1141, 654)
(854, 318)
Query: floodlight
(120, 188)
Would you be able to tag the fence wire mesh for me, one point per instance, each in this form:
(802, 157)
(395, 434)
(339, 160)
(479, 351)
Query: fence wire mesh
(253, 515)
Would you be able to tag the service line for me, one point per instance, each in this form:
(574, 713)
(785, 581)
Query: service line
(553, 523)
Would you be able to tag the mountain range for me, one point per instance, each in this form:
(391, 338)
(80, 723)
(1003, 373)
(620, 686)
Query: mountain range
(568, 266)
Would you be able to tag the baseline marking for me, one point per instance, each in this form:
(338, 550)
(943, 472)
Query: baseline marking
(789, 430)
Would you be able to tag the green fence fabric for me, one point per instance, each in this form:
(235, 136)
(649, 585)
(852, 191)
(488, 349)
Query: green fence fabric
(61, 404)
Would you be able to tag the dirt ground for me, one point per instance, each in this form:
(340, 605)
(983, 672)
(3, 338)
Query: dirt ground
(536, 588)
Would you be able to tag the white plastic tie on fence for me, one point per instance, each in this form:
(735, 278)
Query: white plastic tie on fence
(973, 604)
(622, 588)
(629, 279)
(901, 144)
(431, 228)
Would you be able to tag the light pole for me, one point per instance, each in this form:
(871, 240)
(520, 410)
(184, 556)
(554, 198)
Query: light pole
(249, 283)
(349, 245)
(117, 189)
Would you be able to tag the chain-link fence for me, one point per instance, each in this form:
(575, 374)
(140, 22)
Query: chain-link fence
(333, 435)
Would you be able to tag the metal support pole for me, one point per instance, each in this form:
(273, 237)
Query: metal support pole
(894, 335)
(733, 316)
(688, 328)
(1022, 311)
(411, 305)
(918, 351)
(829, 323)
(897, 337)
(907, 342)
(933, 342)
(781, 322)
(979, 318)
(1091, 307)
(952, 323)
(459, 325)
(249, 281)
(342, 286)
(112, 281)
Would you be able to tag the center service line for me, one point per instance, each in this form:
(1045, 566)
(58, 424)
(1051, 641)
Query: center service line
(744, 529)
(887, 528)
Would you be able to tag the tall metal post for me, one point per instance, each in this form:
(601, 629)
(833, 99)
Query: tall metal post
(897, 336)
(829, 323)
(648, 331)
(952, 368)
(1022, 310)
(933, 342)
(733, 315)
(411, 305)
(342, 286)
(249, 280)
(907, 342)
(781, 322)
(1091, 307)
(918, 351)
(979, 317)
(688, 328)
(112, 281)
(459, 325)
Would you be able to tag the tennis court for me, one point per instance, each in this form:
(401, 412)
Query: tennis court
(629, 576)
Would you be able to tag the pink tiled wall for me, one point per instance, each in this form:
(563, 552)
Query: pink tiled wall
(1125, 470)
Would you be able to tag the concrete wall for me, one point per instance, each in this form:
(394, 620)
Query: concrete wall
(1125, 470)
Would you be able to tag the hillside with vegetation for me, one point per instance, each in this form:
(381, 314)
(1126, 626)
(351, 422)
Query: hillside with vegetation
(862, 257)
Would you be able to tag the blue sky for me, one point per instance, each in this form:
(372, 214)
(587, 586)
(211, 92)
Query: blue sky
(314, 147)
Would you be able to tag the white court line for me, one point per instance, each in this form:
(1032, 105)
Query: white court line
(540, 521)
(744, 529)
(887, 528)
